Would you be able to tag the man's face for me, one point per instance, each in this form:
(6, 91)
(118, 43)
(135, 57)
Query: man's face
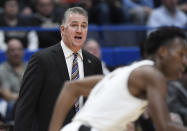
(45, 7)
(15, 52)
(174, 60)
(170, 4)
(93, 48)
(11, 8)
(74, 31)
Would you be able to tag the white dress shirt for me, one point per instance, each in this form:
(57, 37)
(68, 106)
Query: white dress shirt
(68, 53)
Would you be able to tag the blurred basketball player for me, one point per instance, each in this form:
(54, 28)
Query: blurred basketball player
(122, 96)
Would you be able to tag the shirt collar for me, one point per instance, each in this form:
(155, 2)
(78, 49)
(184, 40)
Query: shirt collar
(68, 52)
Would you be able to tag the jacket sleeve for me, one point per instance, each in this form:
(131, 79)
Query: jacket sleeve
(99, 67)
(29, 94)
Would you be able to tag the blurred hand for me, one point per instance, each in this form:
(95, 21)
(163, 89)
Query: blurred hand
(131, 127)
(176, 118)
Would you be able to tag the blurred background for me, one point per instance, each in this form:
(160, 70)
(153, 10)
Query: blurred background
(117, 30)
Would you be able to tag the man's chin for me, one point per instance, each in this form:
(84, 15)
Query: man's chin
(78, 45)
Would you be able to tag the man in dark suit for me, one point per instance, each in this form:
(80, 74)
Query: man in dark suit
(48, 69)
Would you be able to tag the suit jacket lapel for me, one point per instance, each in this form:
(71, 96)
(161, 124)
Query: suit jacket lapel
(60, 62)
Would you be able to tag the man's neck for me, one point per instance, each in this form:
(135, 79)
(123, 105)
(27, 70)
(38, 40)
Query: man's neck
(172, 12)
(17, 67)
(11, 21)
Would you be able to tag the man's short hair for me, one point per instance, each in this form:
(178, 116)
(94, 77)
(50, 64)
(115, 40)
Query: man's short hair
(74, 10)
(6, 1)
(161, 36)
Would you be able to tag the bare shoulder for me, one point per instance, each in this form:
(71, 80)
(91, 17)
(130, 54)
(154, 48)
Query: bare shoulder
(143, 77)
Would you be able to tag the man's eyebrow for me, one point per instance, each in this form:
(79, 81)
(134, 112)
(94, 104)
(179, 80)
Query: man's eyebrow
(77, 22)
(84, 22)
(74, 22)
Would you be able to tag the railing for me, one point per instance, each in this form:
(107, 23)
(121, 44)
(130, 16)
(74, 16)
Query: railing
(90, 28)
(107, 35)
(119, 43)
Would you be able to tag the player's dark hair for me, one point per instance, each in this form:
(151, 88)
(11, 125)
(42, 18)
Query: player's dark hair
(161, 36)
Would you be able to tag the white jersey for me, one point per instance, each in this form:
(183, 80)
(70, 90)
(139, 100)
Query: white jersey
(110, 106)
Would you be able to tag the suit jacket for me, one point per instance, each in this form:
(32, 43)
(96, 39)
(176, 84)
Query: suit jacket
(177, 99)
(42, 82)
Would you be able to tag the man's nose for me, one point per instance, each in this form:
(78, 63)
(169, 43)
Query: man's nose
(79, 29)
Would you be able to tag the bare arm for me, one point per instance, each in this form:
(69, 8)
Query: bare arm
(70, 92)
(156, 89)
(8, 95)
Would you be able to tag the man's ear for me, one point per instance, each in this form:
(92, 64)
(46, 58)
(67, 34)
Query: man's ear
(62, 29)
(162, 52)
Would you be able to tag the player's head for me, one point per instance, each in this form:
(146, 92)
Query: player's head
(167, 46)
(161, 37)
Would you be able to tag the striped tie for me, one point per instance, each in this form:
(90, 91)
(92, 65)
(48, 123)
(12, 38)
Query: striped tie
(75, 76)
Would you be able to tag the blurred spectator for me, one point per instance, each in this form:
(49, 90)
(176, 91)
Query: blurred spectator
(3, 105)
(27, 11)
(183, 5)
(167, 15)
(46, 14)
(177, 97)
(4, 113)
(138, 10)
(1, 3)
(157, 3)
(98, 11)
(6, 109)
(28, 4)
(144, 123)
(101, 12)
(62, 4)
(48, 17)
(67, 2)
(10, 18)
(117, 13)
(92, 46)
(11, 71)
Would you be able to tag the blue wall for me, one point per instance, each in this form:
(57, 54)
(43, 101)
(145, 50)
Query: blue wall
(118, 56)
